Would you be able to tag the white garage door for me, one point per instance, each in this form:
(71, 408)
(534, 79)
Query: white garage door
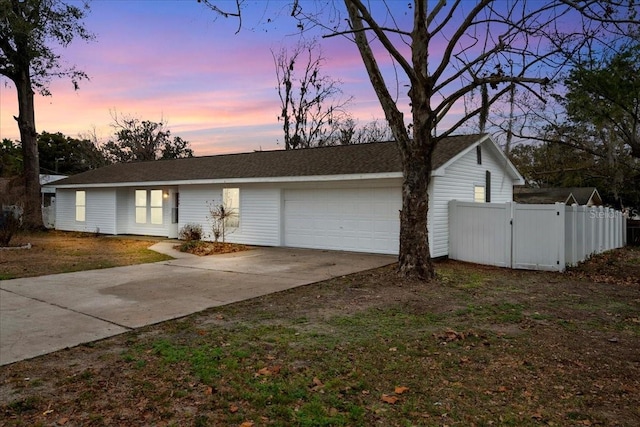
(361, 220)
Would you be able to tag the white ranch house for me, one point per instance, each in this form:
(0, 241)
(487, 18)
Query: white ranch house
(339, 198)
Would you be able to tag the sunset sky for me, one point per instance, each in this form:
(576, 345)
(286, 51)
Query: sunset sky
(178, 62)
(173, 60)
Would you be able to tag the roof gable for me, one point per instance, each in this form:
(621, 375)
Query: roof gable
(487, 142)
(361, 159)
(568, 195)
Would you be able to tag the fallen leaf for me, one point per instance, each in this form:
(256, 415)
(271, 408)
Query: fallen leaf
(208, 391)
(48, 412)
(219, 317)
(502, 389)
(247, 424)
(389, 399)
(233, 408)
(63, 421)
(401, 389)
(393, 349)
(269, 370)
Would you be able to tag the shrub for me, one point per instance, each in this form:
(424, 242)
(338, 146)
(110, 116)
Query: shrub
(9, 225)
(190, 232)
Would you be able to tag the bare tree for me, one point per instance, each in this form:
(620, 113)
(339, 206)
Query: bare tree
(310, 101)
(349, 133)
(143, 140)
(447, 49)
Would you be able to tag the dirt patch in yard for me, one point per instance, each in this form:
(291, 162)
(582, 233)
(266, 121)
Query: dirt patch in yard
(479, 346)
(202, 248)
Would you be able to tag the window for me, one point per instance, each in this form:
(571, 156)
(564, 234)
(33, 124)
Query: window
(81, 204)
(141, 206)
(156, 206)
(231, 203)
(478, 193)
(154, 203)
(479, 154)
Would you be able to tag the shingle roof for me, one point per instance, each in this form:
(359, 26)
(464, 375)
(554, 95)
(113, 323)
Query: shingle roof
(568, 195)
(379, 157)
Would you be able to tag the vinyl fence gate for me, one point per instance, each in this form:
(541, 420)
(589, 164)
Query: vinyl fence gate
(532, 237)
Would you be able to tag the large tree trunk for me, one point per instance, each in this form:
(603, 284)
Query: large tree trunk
(414, 258)
(32, 217)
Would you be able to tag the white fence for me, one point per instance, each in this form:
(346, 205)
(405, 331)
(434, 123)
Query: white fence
(49, 216)
(533, 237)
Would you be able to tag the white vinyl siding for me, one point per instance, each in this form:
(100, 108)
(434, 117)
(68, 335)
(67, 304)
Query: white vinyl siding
(99, 211)
(259, 215)
(458, 183)
(124, 203)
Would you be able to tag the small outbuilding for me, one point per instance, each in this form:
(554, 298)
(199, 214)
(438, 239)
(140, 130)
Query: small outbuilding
(338, 198)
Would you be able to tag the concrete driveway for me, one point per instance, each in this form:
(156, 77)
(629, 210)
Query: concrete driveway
(40, 315)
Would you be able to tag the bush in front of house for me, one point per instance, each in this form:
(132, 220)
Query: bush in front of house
(190, 232)
(9, 225)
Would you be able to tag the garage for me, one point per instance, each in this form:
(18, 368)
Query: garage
(352, 219)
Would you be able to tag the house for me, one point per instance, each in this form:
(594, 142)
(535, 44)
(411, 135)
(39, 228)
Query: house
(340, 197)
(49, 199)
(583, 196)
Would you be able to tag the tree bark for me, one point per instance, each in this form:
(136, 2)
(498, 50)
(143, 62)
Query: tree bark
(414, 260)
(32, 216)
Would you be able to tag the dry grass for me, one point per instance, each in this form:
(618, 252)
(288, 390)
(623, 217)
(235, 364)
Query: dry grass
(479, 346)
(62, 252)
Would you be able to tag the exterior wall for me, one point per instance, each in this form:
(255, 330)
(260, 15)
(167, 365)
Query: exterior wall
(262, 205)
(126, 214)
(99, 211)
(259, 212)
(457, 184)
(122, 210)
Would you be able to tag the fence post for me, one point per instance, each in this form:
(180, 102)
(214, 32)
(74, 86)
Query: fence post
(600, 230)
(561, 236)
(453, 227)
(509, 208)
(573, 224)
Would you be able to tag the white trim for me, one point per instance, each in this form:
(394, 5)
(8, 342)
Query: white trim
(508, 166)
(313, 178)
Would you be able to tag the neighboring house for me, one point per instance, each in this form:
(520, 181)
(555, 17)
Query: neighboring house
(584, 196)
(340, 198)
(49, 199)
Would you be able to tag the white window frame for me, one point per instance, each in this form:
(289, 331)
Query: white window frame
(156, 198)
(479, 193)
(81, 205)
(140, 197)
(231, 203)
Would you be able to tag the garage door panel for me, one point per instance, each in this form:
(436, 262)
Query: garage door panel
(363, 220)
